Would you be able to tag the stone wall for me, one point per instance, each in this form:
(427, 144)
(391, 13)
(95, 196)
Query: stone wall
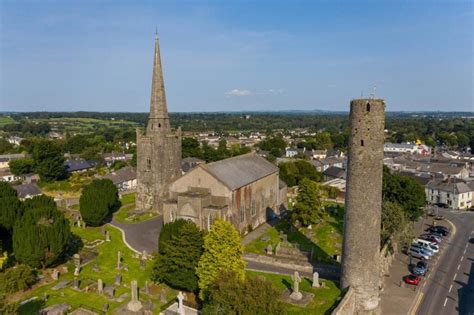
(346, 305)
(280, 262)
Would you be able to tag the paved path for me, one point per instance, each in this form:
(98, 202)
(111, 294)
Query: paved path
(324, 274)
(142, 236)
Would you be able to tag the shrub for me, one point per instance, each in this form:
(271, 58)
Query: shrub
(98, 201)
(17, 278)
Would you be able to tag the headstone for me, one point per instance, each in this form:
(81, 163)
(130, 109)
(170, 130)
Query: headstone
(105, 307)
(180, 303)
(45, 297)
(146, 289)
(95, 268)
(142, 264)
(55, 274)
(109, 290)
(144, 255)
(269, 250)
(163, 296)
(100, 286)
(125, 267)
(119, 260)
(77, 271)
(103, 230)
(77, 260)
(310, 227)
(296, 294)
(107, 236)
(277, 248)
(77, 284)
(134, 305)
(315, 280)
(118, 279)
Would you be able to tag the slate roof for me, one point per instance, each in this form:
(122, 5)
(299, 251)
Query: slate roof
(241, 170)
(78, 165)
(455, 187)
(122, 175)
(335, 172)
(25, 190)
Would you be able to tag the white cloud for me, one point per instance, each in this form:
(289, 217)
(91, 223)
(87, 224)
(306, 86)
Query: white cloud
(276, 91)
(238, 92)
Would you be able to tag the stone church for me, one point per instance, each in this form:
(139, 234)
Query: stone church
(158, 149)
(245, 190)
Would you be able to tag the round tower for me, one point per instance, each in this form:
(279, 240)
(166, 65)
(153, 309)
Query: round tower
(361, 246)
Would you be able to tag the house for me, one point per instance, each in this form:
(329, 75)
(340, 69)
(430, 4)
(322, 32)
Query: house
(124, 178)
(6, 158)
(79, 166)
(324, 164)
(244, 190)
(454, 193)
(110, 158)
(411, 148)
(319, 154)
(189, 163)
(27, 191)
(334, 172)
(7, 176)
(15, 140)
(291, 152)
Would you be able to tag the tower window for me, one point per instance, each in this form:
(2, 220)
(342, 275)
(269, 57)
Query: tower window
(159, 125)
(361, 143)
(148, 164)
(368, 107)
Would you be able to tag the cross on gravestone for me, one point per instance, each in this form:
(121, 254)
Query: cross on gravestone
(315, 280)
(134, 305)
(100, 286)
(118, 279)
(296, 294)
(180, 303)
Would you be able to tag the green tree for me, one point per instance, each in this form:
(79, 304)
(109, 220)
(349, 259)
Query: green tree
(169, 231)
(98, 201)
(178, 257)
(222, 252)
(309, 202)
(6, 190)
(41, 236)
(273, 142)
(191, 148)
(21, 166)
(394, 220)
(48, 160)
(5, 146)
(230, 295)
(11, 210)
(18, 278)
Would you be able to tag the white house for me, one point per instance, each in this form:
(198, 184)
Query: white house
(124, 178)
(291, 152)
(455, 194)
(7, 176)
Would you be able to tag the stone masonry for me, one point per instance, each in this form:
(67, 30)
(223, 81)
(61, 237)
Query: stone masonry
(361, 246)
(158, 149)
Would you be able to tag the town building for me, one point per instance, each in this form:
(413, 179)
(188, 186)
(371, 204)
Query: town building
(78, 166)
(453, 193)
(27, 191)
(124, 179)
(7, 176)
(244, 190)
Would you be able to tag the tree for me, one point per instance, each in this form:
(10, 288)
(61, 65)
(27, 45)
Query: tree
(48, 160)
(393, 220)
(6, 190)
(273, 142)
(21, 166)
(308, 207)
(293, 172)
(5, 146)
(98, 201)
(11, 210)
(41, 235)
(230, 295)
(169, 231)
(178, 257)
(190, 148)
(18, 278)
(222, 252)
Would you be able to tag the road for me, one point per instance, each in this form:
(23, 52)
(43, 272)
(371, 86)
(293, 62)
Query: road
(142, 236)
(449, 289)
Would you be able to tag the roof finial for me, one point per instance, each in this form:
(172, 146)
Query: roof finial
(156, 32)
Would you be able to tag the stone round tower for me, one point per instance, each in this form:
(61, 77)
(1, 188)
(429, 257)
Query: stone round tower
(361, 246)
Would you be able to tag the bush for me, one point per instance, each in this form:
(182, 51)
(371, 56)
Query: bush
(21, 166)
(17, 278)
(98, 201)
(6, 190)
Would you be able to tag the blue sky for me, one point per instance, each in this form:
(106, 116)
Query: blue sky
(236, 55)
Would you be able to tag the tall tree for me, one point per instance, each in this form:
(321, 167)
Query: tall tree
(21, 166)
(49, 160)
(222, 252)
(178, 257)
(309, 202)
(98, 201)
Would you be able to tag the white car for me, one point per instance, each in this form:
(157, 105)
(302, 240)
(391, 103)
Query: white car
(427, 244)
(418, 253)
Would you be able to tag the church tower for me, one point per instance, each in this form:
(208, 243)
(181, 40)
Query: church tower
(158, 149)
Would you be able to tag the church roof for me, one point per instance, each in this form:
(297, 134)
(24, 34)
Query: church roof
(241, 170)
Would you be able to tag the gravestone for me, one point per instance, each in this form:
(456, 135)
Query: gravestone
(144, 255)
(77, 271)
(266, 238)
(76, 260)
(146, 289)
(100, 286)
(76, 284)
(296, 294)
(118, 279)
(142, 264)
(163, 296)
(61, 285)
(109, 290)
(55, 274)
(277, 248)
(315, 280)
(105, 307)
(107, 236)
(180, 303)
(95, 268)
(134, 305)
(103, 230)
(269, 250)
(119, 260)
(45, 297)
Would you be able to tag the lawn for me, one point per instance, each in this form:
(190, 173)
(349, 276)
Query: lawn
(123, 215)
(84, 125)
(107, 262)
(325, 238)
(5, 120)
(324, 298)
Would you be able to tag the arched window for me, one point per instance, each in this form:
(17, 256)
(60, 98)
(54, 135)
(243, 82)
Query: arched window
(159, 125)
(361, 143)
(368, 107)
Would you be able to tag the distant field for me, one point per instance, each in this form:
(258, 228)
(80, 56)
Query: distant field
(5, 120)
(85, 124)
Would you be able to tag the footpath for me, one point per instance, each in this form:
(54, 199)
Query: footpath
(397, 297)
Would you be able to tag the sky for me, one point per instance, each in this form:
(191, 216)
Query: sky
(236, 55)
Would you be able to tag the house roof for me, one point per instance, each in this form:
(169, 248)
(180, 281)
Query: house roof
(25, 190)
(122, 175)
(78, 165)
(335, 171)
(241, 170)
(455, 187)
(399, 145)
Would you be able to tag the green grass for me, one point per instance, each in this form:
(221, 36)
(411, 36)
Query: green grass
(85, 125)
(5, 120)
(324, 298)
(107, 262)
(326, 240)
(128, 205)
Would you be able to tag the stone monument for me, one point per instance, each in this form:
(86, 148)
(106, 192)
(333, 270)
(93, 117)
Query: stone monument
(134, 305)
(296, 294)
(119, 260)
(100, 286)
(361, 244)
(180, 303)
(315, 280)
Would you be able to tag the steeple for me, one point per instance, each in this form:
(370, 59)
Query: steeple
(158, 119)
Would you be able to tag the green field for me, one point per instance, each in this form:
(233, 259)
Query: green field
(83, 125)
(5, 120)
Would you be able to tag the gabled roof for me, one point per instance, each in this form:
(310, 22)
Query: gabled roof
(335, 171)
(455, 187)
(122, 175)
(25, 190)
(78, 165)
(241, 170)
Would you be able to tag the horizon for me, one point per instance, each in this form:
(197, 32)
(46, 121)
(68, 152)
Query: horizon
(218, 57)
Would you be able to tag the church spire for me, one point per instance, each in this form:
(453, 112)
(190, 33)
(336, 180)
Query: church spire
(158, 119)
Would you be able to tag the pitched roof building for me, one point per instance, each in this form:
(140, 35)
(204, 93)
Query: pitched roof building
(454, 193)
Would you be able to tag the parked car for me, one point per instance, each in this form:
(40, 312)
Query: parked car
(426, 244)
(427, 251)
(418, 253)
(430, 238)
(439, 229)
(412, 279)
(420, 268)
(439, 217)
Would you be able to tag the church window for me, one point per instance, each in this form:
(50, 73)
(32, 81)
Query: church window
(148, 164)
(368, 107)
(361, 143)
(159, 125)
(254, 208)
(242, 213)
